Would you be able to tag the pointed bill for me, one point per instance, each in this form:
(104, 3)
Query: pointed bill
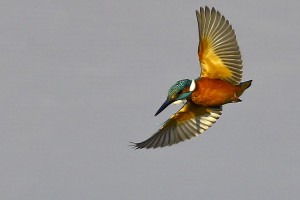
(165, 104)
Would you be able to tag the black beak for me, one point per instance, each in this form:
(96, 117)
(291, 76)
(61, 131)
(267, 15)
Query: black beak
(165, 104)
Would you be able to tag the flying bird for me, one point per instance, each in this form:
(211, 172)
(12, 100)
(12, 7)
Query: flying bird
(219, 83)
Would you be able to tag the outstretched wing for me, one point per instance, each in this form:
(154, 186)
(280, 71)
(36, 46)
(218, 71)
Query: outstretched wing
(218, 50)
(190, 121)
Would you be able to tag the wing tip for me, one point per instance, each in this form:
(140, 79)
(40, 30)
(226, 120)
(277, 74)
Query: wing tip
(136, 146)
(206, 9)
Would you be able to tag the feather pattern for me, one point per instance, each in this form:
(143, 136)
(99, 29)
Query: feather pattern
(218, 50)
(190, 121)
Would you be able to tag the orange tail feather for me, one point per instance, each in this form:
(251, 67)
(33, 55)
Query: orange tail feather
(243, 87)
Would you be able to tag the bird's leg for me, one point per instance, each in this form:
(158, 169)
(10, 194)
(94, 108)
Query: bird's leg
(236, 98)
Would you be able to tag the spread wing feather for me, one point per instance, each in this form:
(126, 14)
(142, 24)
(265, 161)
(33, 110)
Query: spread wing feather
(190, 121)
(218, 50)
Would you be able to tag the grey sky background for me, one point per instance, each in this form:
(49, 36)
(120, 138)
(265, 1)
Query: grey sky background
(80, 79)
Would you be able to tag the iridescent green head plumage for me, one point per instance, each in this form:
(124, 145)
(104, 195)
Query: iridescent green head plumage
(178, 87)
(176, 92)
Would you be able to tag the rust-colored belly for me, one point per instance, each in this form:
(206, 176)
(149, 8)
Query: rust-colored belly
(214, 92)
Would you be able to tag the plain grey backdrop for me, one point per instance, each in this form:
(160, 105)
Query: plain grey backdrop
(79, 80)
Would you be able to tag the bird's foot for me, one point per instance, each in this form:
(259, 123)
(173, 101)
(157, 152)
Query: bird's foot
(236, 99)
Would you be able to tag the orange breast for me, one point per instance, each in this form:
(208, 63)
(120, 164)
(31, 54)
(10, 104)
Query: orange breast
(213, 92)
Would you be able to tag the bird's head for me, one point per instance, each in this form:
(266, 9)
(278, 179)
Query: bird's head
(181, 90)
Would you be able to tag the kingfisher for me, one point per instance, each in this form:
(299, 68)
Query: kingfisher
(219, 83)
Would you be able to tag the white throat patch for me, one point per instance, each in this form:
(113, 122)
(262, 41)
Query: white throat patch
(179, 102)
(193, 85)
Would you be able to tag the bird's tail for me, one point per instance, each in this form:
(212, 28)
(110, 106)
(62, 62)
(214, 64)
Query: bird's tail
(243, 87)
